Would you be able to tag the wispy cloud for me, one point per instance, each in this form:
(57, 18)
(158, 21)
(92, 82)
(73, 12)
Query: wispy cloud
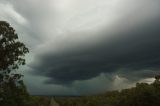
(7, 12)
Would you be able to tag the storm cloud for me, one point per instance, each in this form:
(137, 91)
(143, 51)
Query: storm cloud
(86, 46)
(134, 50)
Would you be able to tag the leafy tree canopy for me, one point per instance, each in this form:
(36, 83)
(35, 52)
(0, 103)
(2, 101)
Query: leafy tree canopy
(12, 51)
(12, 89)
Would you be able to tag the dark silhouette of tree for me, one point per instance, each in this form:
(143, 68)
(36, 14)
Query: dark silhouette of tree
(157, 77)
(12, 52)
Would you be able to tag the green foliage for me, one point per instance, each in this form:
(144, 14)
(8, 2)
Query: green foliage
(11, 50)
(11, 54)
(15, 95)
(12, 89)
(41, 100)
(142, 95)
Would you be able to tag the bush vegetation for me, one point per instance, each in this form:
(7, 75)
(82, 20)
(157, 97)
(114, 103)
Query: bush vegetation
(142, 95)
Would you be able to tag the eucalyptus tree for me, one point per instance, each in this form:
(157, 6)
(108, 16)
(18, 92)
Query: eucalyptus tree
(12, 53)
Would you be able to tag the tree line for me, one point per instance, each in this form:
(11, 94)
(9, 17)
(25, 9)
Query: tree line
(142, 95)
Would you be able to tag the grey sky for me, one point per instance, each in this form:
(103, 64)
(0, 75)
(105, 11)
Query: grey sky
(86, 46)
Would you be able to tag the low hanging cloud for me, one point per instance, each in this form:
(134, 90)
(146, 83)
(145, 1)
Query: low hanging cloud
(78, 46)
(133, 51)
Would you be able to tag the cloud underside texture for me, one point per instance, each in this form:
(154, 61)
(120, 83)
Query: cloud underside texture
(92, 43)
(134, 54)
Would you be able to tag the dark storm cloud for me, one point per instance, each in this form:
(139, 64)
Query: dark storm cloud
(133, 53)
(86, 43)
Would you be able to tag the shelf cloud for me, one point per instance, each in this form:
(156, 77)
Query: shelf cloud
(76, 46)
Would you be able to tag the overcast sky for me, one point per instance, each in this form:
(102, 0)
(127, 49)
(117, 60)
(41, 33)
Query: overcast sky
(82, 47)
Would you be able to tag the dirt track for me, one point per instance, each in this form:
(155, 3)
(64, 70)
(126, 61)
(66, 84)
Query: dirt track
(53, 102)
